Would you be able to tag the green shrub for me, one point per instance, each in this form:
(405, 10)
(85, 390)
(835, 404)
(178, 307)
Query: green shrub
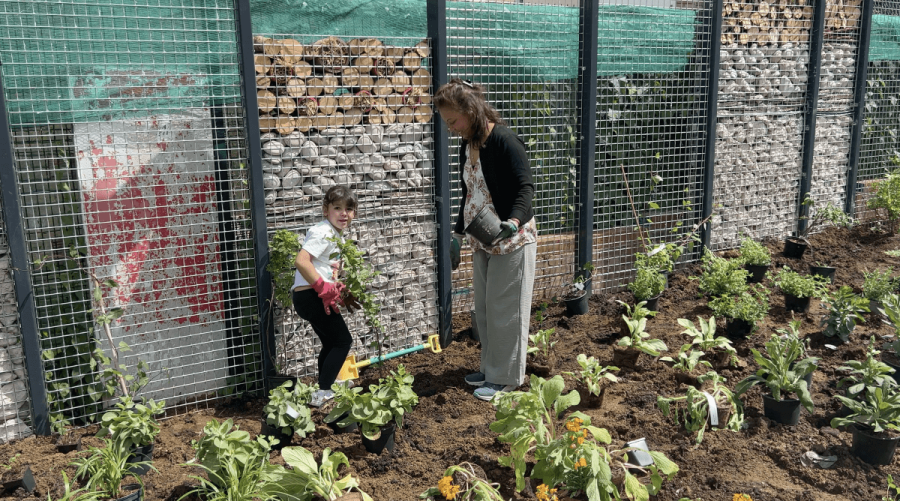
(750, 306)
(793, 284)
(878, 284)
(754, 253)
(844, 308)
(648, 283)
(722, 277)
(887, 197)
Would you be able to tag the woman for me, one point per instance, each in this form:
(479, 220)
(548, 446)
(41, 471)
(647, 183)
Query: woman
(496, 174)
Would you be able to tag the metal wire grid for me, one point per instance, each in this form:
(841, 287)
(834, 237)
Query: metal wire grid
(650, 149)
(136, 185)
(15, 409)
(356, 112)
(762, 88)
(538, 101)
(879, 148)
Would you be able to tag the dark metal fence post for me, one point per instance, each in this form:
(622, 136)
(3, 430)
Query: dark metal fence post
(257, 193)
(816, 39)
(15, 235)
(437, 32)
(587, 131)
(713, 48)
(859, 101)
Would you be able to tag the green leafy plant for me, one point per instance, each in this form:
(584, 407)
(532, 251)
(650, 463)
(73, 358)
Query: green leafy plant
(750, 306)
(891, 306)
(878, 284)
(705, 338)
(228, 454)
(282, 253)
(529, 419)
(132, 424)
(886, 197)
(648, 283)
(893, 252)
(863, 374)
(235, 478)
(781, 371)
(82, 494)
(639, 339)
(722, 277)
(661, 258)
(893, 492)
(306, 480)
(844, 308)
(287, 408)
(754, 253)
(540, 343)
(592, 373)
(388, 400)
(357, 276)
(461, 482)
(693, 407)
(105, 468)
(575, 289)
(578, 460)
(828, 214)
(638, 312)
(878, 409)
(687, 359)
(793, 284)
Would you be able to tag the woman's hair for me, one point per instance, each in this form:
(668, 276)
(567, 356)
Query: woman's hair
(468, 98)
(340, 193)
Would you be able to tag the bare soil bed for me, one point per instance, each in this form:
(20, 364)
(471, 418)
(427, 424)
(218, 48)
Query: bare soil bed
(449, 426)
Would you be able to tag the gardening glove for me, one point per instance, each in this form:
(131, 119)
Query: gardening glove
(350, 301)
(330, 292)
(508, 228)
(455, 247)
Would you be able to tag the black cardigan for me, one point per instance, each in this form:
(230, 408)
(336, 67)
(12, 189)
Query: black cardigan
(507, 174)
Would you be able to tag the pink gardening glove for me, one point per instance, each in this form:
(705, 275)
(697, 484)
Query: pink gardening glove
(330, 294)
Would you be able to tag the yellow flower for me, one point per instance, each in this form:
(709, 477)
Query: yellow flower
(445, 485)
(542, 491)
(741, 497)
(580, 463)
(574, 424)
(580, 441)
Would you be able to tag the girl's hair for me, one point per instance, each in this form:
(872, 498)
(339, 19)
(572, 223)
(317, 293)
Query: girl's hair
(467, 98)
(340, 193)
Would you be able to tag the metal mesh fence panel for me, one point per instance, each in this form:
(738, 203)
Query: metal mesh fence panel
(536, 95)
(129, 154)
(879, 148)
(355, 112)
(835, 107)
(651, 107)
(759, 134)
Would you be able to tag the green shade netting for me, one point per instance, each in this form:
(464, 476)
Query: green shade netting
(885, 42)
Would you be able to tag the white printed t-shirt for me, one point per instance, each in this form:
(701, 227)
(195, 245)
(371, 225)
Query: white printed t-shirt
(325, 254)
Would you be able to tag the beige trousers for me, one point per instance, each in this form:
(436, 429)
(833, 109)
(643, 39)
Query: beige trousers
(503, 288)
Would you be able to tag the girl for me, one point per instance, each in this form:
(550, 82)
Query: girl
(317, 291)
(496, 174)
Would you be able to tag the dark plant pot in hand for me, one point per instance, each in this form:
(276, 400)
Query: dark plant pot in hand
(284, 439)
(877, 449)
(797, 304)
(735, 328)
(26, 481)
(794, 247)
(384, 441)
(823, 271)
(337, 429)
(785, 411)
(140, 454)
(757, 272)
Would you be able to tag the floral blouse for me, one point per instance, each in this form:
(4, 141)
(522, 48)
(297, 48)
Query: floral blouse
(478, 196)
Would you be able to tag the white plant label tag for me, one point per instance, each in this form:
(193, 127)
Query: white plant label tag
(291, 412)
(656, 250)
(713, 410)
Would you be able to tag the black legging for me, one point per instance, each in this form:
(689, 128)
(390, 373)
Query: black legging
(332, 331)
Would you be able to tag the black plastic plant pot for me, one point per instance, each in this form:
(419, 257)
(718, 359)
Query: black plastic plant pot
(665, 275)
(279, 379)
(735, 328)
(578, 305)
(67, 447)
(25, 482)
(135, 492)
(384, 441)
(892, 361)
(639, 455)
(877, 449)
(138, 455)
(794, 247)
(653, 304)
(284, 439)
(757, 273)
(337, 429)
(785, 411)
(823, 271)
(796, 304)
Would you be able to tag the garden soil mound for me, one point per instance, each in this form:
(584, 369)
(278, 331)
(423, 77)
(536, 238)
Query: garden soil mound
(449, 426)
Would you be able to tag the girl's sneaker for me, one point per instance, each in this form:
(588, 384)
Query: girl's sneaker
(476, 379)
(319, 397)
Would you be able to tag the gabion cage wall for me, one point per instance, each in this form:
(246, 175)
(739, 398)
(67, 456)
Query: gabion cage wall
(650, 137)
(354, 111)
(536, 96)
(127, 132)
(15, 411)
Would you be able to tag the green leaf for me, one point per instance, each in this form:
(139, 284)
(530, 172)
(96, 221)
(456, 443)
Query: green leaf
(634, 489)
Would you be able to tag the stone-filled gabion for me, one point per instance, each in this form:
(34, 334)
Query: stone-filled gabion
(836, 79)
(832, 154)
(762, 78)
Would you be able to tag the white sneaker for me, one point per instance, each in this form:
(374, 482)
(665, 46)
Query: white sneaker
(319, 397)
